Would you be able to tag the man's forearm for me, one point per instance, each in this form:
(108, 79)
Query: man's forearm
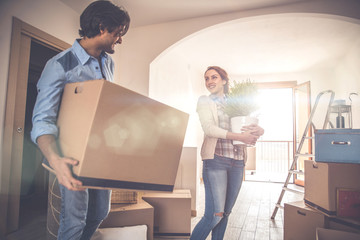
(48, 147)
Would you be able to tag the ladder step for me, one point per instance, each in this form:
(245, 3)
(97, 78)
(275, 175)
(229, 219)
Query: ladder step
(299, 172)
(293, 190)
(279, 206)
(304, 155)
(309, 137)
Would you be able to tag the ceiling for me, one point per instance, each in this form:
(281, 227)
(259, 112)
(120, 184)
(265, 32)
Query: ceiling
(147, 12)
(263, 46)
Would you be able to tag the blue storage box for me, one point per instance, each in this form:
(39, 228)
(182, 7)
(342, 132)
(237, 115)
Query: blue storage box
(337, 145)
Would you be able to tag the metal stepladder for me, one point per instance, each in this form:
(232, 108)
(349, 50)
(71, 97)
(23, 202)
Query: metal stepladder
(298, 151)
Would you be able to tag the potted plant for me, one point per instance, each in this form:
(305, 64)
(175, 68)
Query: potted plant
(240, 104)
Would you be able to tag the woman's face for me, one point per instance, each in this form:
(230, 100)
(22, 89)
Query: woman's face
(214, 83)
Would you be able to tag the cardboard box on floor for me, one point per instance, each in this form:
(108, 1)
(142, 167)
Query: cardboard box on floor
(329, 234)
(124, 215)
(343, 224)
(300, 221)
(122, 139)
(172, 213)
(322, 181)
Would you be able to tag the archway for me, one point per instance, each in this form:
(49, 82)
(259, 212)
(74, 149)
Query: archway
(269, 48)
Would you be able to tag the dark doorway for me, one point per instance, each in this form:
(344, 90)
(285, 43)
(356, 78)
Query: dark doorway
(34, 179)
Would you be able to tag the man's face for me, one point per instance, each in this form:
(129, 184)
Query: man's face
(109, 40)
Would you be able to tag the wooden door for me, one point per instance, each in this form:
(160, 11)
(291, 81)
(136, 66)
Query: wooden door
(22, 35)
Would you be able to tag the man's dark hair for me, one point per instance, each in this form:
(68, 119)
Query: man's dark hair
(101, 15)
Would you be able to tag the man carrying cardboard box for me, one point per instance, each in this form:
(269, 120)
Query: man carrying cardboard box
(102, 26)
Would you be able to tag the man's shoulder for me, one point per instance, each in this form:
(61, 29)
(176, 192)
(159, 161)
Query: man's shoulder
(67, 60)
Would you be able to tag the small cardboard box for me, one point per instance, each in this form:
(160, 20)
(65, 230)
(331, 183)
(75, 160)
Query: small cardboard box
(329, 234)
(348, 203)
(322, 181)
(172, 212)
(125, 215)
(300, 221)
(122, 139)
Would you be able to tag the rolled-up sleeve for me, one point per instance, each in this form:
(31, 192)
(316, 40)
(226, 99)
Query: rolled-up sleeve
(50, 87)
(207, 118)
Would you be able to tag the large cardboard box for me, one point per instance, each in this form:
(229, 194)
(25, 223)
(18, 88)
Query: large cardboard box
(122, 139)
(125, 215)
(172, 212)
(329, 234)
(322, 181)
(186, 177)
(300, 221)
(337, 145)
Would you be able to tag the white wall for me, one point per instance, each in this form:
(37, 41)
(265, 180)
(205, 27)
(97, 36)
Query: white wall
(347, 76)
(143, 44)
(50, 16)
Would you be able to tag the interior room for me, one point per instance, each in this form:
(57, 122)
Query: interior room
(299, 53)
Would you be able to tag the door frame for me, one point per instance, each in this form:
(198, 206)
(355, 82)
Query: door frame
(294, 85)
(21, 37)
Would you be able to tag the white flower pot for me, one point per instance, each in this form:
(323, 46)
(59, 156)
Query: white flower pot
(238, 122)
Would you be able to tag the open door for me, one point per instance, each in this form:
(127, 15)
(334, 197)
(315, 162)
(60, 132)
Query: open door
(15, 119)
(302, 109)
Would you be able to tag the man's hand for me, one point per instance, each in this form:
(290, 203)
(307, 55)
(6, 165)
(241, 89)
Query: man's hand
(61, 165)
(62, 168)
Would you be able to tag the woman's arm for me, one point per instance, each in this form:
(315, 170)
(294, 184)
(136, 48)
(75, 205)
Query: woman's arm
(205, 109)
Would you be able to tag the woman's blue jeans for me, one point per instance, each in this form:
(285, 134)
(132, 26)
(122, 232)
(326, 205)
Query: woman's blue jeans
(82, 212)
(222, 179)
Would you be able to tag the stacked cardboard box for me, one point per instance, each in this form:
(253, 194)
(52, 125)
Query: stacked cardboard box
(124, 215)
(320, 208)
(329, 234)
(332, 190)
(323, 182)
(300, 221)
(164, 214)
(172, 213)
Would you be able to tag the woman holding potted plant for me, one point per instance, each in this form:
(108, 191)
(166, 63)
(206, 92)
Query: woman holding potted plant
(223, 162)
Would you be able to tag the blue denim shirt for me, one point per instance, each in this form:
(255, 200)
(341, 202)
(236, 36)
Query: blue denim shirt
(71, 65)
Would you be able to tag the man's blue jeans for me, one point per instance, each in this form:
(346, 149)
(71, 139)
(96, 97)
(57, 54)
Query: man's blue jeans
(222, 179)
(82, 212)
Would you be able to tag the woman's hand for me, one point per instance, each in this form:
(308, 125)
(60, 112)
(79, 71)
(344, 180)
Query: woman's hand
(245, 137)
(248, 138)
(253, 129)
